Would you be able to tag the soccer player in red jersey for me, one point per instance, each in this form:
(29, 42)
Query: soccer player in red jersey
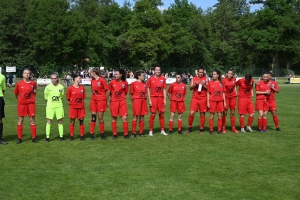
(76, 95)
(245, 104)
(25, 92)
(215, 100)
(98, 102)
(199, 99)
(176, 94)
(157, 99)
(229, 90)
(262, 95)
(138, 94)
(272, 102)
(118, 88)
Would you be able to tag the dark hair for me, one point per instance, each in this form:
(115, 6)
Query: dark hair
(157, 65)
(26, 69)
(76, 75)
(123, 73)
(248, 77)
(229, 70)
(137, 74)
(179, 73)
(219, 73)
(96, 71)
(201, 67)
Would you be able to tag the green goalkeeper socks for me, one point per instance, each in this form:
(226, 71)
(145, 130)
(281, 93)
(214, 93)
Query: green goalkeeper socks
(61, 130)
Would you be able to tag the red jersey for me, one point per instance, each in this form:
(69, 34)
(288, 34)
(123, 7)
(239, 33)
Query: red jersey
(273, 84)
(245, 89)
(26, 92)
(229, 87)
(76, 96)
(157, 86)
(118, 90)
(262, 87)
(177, 91)
(196, 93)
(138, 90)
(215, 89)
(99, 88)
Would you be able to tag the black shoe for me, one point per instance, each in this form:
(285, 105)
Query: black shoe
(201, 131)
(126, 137)
(62, 139)
(134, 135)
(92, 137)
(47, 140)
(180, 132)
(115, 137)
(19, 141)
(188, 130)
(82, 138)
(278, 129)
(34, 140)
(142, 135)
(2, 142)
(170, 132)
(211, 132)
(71, 138)
(103, 137)
(220, 132)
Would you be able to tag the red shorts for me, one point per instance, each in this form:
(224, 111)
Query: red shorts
(118, 108)
(139, 107)
(230, 103)
(272, 104)
(157, 105)
(216, 106)
(199, 104)
(76, 113)
(98, 105)
(177, 106)
(26, 110)
(245, 106)
(262, 104)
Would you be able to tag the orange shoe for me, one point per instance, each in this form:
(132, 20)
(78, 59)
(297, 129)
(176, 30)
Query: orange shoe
(234, 130)
(224, 130)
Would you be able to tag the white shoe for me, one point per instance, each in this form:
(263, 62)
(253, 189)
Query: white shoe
(163, 132)
(248, 128)
(243, 130)
(150, 133)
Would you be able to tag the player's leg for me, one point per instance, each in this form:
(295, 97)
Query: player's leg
(101, 125)
(123, 111)
(136, 110)
(125, 126)
(2, 115)
(203, 109)
(93, 109)
(59, 116)
(133, 125)
(49, 116)
(161, 111)
(232, 120)
(220, 131)
(224, 114)
(250, 109)
(153, 110)
(20, 129)
(265, 121)
(33, 129)
(81, 129)
(179, 123)
(194, 106)
(114, 127)
(171, 122)
(211, 122)
(260, 120)
(276, 120)
(71, 129)
(142, 124)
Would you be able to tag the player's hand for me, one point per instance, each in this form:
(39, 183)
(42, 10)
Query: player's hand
(196, 83)
(165, 103)
(224, 104)
(107, 104)
(150, 103)
(208, 105)
(268, 92)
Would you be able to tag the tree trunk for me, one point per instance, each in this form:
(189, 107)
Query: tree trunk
(276, 63)
(288, 68)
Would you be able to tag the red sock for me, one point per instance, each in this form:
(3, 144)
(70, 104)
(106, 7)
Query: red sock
(81, 129)
(20, 130)
(232, 120)
(92, 127)
(250, 120)
(162, 121)
(220, 122)
(202, 122)
(264, 124)
(276, 121)
(179, 122)
(191, 119)
(223, 121)
(211, 124)
(151, 122)
(171, 125)
(125, 128)
(133, 126)
(72, 130)
(101, 127)
(33, 130)
(242, 122)
(142, 123)
(114, 127)
(260, 123)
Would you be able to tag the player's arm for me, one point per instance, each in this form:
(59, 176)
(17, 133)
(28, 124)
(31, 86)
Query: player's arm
(34, 89)
(68, 94)
(165, 96)
(208, 96)
(205, 84)
(276, 88)
(193, 84)
(170, 92)
(16, 91)
(46, 93)
(149, 99)
(224, 99)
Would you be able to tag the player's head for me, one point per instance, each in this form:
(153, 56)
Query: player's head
(120, 74)
(229, 73)
(140, 75)
(248, 77)
(216, 75)
(265, 76)
(26, 73)
(54, 78)
(77, 78)
(95, 72)
(157, 71)
(270, 75)
(201, 71)
(178, 77)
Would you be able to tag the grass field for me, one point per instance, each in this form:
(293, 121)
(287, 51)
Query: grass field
(231, 166)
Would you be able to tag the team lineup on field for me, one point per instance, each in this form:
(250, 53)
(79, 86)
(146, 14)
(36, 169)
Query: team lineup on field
(208, 96)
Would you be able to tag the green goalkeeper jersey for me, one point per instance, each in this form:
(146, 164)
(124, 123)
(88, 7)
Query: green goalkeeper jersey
(53, 95)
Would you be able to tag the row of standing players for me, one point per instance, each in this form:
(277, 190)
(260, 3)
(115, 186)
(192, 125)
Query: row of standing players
(215, 96)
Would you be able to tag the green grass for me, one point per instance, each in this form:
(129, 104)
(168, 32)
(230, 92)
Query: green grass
(231, 166)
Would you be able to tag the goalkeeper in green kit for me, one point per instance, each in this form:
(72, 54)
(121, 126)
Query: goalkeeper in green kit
(53, 95)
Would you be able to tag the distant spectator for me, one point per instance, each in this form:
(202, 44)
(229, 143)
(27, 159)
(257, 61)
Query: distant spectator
(10, 80)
